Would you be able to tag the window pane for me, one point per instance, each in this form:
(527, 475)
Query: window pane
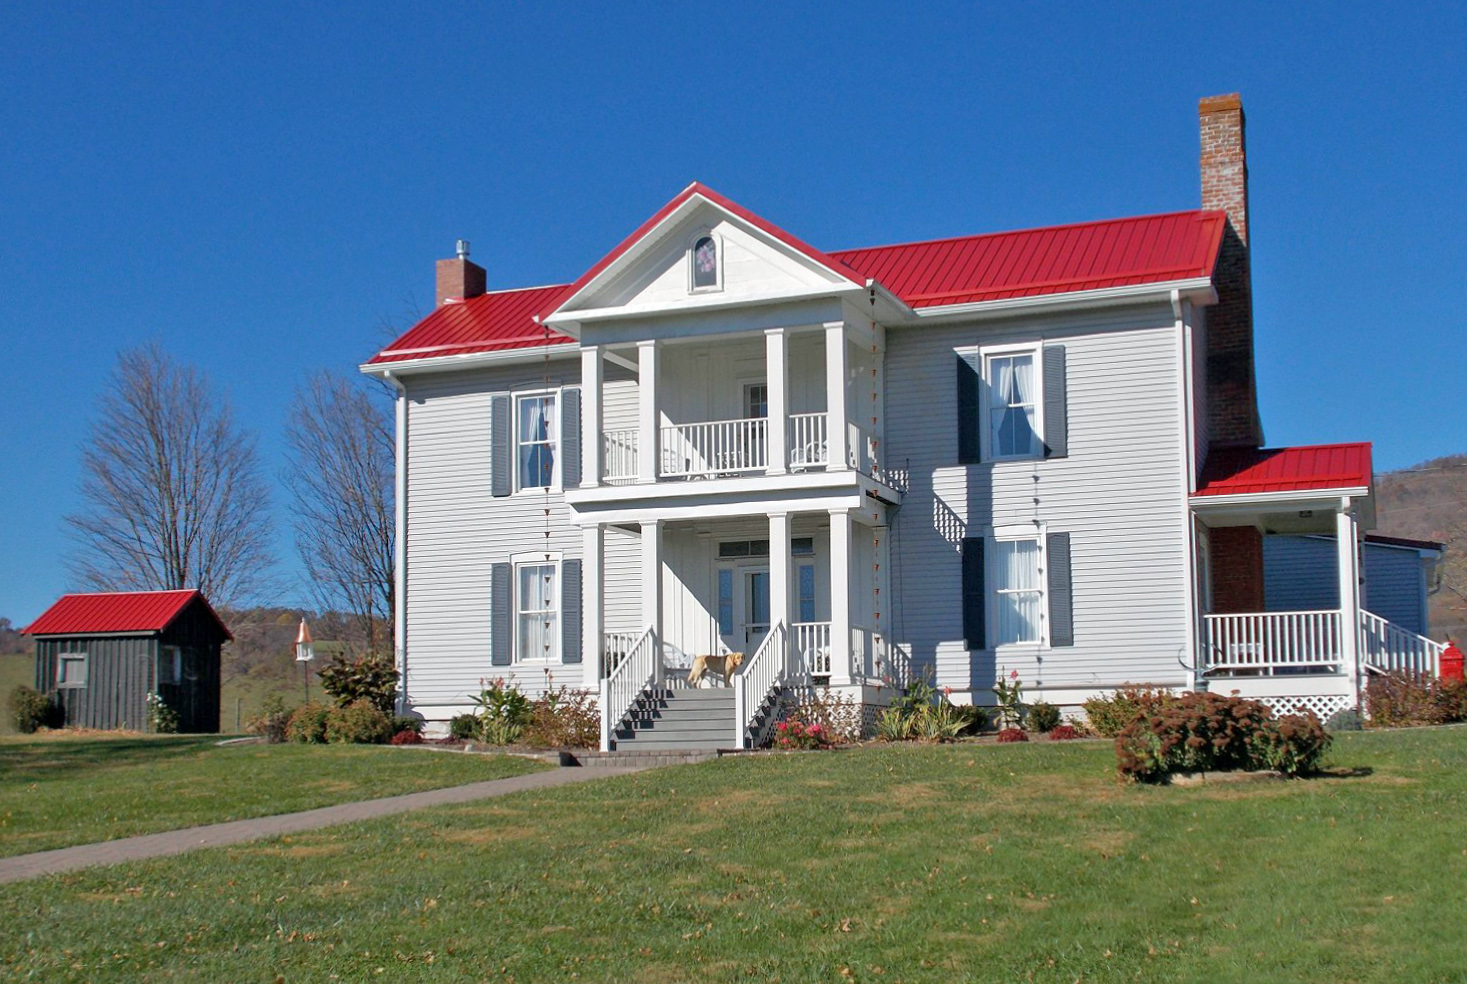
(758, 585)
(1018, 617)
(705, 263)
(1018, 564)
(537, 465)
(802, 546)
(725, 602)
(807, 593)
(1011, 402)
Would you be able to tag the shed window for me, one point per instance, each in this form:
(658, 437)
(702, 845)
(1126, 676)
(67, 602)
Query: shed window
(704, 259)
(71, 670)
(170, 665)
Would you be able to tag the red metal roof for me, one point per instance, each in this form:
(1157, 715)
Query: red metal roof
(1054, 260)
(997, 266)
(487, 323)
(117, 611)
(1248, 471)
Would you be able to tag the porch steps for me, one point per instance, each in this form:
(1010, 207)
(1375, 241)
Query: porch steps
(679, 720)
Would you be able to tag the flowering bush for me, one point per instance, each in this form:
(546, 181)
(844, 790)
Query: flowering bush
(797, 734)
(1209, 732)
(503, 713)
(1010, 694)
(563, 719)
(1063, 732)
(1398, 699)
(162, 719)
(406, 737)
(1012, 734)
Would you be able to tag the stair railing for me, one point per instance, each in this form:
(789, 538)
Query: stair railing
(1386, 646)
(625, 684)
(756, 679)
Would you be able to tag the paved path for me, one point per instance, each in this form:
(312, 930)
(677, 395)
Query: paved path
(192, 838)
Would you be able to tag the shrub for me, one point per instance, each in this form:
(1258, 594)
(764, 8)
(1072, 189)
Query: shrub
(504, 713)
(406, 722)
(939, 722)
(32, 710)
(272, 720)
(308, 724)
(893, 725)
(974, 718)
(564, 719)
(839, 715)
(462, 727)
(1200, 732)
(927, 714)
(358, 723)
(371, 678)
(1043, 717)
(1398, 699)
(1008, 735)
(796, 734)
(1345, 719)
(406, 736)
(1063, 732)
(1109, 715)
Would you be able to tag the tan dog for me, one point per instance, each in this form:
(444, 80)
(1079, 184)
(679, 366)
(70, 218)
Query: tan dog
(725, 666)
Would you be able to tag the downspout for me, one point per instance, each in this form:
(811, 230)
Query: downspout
(399, 539)
(1181, 312)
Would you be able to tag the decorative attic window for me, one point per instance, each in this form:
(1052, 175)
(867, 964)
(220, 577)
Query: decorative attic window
(706, 270)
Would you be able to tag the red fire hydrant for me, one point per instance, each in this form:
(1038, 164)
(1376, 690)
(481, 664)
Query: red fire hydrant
(1452, 663)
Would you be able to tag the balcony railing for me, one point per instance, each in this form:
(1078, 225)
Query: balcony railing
(619, 455)
(807, 441)
(1266, 643)
(715, 447)
(811, 643)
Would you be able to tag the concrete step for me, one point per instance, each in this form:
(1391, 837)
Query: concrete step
(649, 742)
(645, 758)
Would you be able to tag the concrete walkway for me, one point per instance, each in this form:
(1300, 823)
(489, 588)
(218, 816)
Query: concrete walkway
(192, 838)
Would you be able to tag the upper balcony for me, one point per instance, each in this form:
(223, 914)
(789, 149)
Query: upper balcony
(762, 410)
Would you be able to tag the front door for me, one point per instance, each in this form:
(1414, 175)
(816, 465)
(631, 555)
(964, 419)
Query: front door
(756, 608)
(743, 607)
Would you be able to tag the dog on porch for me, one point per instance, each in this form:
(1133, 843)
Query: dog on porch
(725, 666)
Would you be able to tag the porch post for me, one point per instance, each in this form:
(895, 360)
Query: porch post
(840, 597)
(779, 570)
(1349, 566)
(647, 456)
(777, 375)
(591, 379)
(837, 424)
(652, 586)
(593, 556)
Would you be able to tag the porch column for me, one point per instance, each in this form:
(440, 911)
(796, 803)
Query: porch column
(593, 555)
(652, 584)
(779, 570)
(1349, 566)
(837, 423)
(647, 456)
(591, 379)
(777, 375)
(840, 597)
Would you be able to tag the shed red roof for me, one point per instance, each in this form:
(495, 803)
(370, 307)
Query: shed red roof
(1248, 471)
(117, 611)
(997, 266)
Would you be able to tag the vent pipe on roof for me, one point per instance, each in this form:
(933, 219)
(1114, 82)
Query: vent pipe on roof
(459, 278)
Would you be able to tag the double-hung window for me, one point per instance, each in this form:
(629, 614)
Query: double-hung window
(1011, 412)
(537, 612)
(537, 440)
(1017, 585)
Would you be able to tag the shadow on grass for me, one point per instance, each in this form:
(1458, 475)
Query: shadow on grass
(42, 761)
(1355, 772)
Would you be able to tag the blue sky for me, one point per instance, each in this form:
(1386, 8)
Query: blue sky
(261, 188)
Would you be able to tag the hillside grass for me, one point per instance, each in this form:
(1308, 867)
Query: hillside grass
(959, 863)
(15, 669)
(60, 791)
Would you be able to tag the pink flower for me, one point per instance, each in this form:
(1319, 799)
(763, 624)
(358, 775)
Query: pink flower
(1013, 674)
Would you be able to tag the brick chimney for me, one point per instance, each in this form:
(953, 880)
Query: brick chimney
(1232, 396)
(458, 278)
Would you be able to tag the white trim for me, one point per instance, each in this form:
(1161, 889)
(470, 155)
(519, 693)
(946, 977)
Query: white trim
(472, 360)
(1035, 351)
(555, 443)
(542, 558)
(1200, 503)
(1199, 290)
(703, 302)
(62, 659)
(717, 285)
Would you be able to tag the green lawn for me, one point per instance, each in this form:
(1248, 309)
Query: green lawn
(14, 671)
(55, 792)
(990, 863)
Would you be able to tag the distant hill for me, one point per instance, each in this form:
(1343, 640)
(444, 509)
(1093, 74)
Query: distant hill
(1429, 502)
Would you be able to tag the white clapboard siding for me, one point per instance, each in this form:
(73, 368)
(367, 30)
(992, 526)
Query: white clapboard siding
(456, 529)
(1118, 494)
(623, 582)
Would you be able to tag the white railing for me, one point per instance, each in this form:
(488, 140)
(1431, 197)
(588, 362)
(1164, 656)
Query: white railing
(619, 455)
(866, 653)
(715, 447)
(862, 451)
(811, 644)
(1260, 643)
(767, 669)
(1386, 646)
(622, 686)
(614, 648)
(807, 441)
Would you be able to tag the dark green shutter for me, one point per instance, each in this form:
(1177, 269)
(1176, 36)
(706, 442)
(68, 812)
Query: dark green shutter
(501, 446)
(570, 619)
(970, 449)
(1061, 591)
(975, 603)
(501, 621)
(1056, 410)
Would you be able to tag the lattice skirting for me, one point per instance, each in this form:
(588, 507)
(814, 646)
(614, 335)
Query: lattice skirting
(1323, 706)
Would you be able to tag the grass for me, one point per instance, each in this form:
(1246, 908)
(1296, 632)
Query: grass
(15, 669)
(55, 792)
(1021, 862)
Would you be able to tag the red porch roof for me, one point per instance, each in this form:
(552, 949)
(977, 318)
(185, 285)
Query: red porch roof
(1249, 471)
(117, 611)
(997, 266)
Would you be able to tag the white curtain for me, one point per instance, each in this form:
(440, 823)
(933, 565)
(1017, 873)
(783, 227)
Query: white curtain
(538, 618)
(1013, 405)
(1017, 574)
(537, 431)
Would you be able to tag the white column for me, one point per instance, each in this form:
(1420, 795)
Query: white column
(399, 547)
(838, 427)
(647, 456)
(591, 440)
(1349, 566)
(777, 375)
(652, 584)
(840, 596)
(779, 570)
(593, 605)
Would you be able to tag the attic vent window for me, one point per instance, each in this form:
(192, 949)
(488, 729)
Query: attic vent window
(704, 259)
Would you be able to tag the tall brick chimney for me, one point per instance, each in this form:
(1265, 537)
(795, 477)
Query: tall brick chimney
(459, 278)
(1232, 396)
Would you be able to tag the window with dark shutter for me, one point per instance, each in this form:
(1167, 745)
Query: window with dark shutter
(500, 453)
(570, 619)
(970, 450)
(501, 622)
(1056, 414)
(974, 601)
(570, 437)
(1061, 593)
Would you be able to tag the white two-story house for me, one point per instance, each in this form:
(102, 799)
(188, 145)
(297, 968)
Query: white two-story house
(1034, 451)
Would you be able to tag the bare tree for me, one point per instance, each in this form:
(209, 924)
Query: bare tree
(340, 475)
(171, 488)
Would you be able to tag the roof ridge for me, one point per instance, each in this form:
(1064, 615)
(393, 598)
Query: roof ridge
(1011, 232)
